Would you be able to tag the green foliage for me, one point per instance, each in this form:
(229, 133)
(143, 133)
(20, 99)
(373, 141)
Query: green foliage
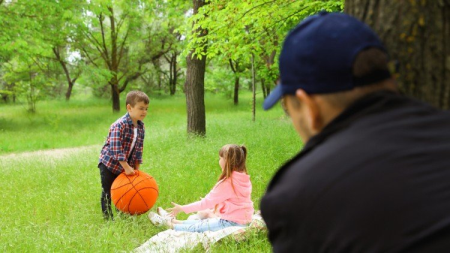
(28, 80)
(135, 53)
(52, 196)
(238, 29)
(218, 78)
(33, 30)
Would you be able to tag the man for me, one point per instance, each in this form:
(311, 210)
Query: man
(374, 174)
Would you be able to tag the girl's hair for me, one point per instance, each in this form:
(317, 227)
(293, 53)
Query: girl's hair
(235, 157)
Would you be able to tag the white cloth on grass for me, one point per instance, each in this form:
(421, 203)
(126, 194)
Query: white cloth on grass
(171, 241)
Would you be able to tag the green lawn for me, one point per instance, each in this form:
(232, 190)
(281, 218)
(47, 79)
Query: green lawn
(50, 198)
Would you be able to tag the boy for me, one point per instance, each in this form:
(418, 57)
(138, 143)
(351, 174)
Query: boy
(122, 151)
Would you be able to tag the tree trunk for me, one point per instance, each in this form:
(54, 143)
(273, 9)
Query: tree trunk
(173, 74)
(263, 87)
(194, 88)
(195, 104)
(417, 36)
(236, 90)
(235, 68)
(115, 94)
(69, 91)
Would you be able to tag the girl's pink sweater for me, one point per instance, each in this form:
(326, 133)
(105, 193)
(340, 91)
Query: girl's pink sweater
(233, 205)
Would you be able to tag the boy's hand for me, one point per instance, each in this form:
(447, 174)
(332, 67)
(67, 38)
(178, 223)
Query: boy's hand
(129, 171)
(175, 210)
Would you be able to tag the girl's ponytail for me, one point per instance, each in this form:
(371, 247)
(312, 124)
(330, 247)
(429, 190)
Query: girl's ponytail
(244, 149)
(235, 157)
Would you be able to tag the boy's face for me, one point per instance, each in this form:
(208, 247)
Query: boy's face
(138, 112)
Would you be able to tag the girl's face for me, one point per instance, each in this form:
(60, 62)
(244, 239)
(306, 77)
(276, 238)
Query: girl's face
(222, 162)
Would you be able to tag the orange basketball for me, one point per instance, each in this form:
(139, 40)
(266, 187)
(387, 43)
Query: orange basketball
(134, 194)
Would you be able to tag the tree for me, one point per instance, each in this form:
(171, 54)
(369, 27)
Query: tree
(250, 30)
(30, 78)
(118, 38)
(28, 66)
(171, 56)
(195, 80)
(237, 70)
(40, 30)
(120, 42)
(417, 36)
(58, 23)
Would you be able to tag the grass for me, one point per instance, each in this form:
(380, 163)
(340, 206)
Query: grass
(50, 198)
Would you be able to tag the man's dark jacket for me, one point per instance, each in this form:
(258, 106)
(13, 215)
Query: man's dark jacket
(376, 179)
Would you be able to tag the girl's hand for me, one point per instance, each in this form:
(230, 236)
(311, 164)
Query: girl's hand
(175, 210)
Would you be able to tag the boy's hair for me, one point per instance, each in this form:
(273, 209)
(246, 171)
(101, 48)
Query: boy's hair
(135, 96)
(235, 157)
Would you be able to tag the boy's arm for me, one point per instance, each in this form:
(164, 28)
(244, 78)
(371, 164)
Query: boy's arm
(115, 145)
(116, 149)
(127, 168)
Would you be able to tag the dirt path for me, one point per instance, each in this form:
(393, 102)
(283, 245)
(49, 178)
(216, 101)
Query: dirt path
(61, 152)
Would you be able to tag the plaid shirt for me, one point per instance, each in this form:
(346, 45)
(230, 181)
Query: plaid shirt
(118, 144)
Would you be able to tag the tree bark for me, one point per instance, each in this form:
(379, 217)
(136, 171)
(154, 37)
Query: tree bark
(236, 90)
(194, 88)
(236, 70)
(417, 36)
(263, 87)
(114, 63)
(115, 94)
(173, 72)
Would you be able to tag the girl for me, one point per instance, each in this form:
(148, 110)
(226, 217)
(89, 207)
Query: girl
(230, 197)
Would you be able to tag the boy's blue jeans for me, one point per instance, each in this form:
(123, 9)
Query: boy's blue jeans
(212, 224)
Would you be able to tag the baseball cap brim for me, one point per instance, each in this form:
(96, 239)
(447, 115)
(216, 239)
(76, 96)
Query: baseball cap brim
(273, 97)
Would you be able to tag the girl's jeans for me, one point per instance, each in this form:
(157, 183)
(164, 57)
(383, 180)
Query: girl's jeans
(212, 224)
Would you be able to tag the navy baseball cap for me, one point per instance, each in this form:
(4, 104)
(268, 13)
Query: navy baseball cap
(318, 56)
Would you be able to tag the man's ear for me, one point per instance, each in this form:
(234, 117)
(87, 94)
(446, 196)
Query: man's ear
(128, 107)
(311, 110)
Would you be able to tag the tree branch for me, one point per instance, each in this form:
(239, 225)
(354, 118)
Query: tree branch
(103, 38)
(231, 66)
(62, 63)
(38, 65)
(121, 47)
(89, 57)
(98, 46)
(254, 7)
(121, 22)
